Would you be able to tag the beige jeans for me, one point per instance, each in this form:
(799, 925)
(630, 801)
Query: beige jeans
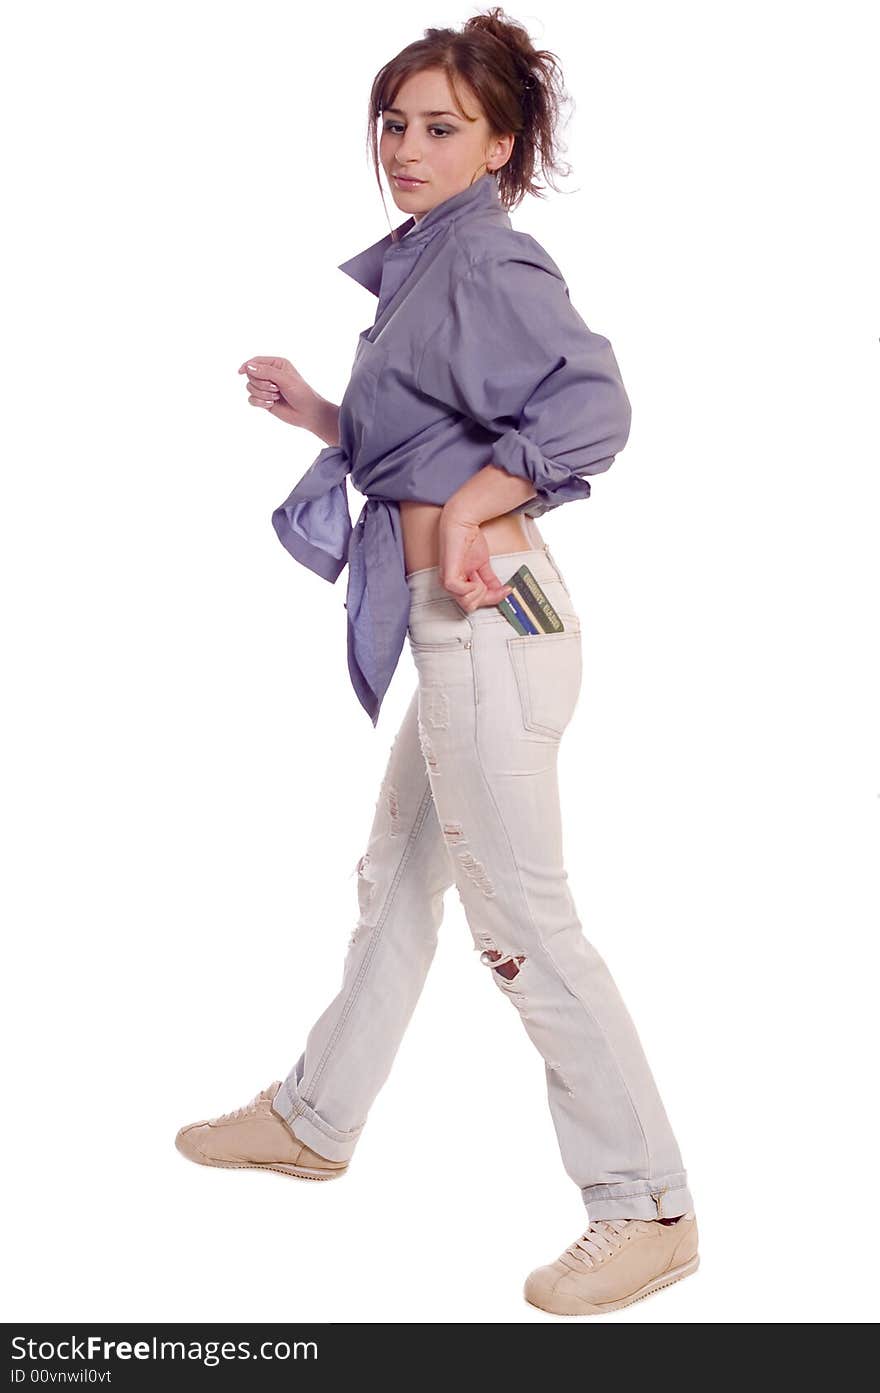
(470, 798)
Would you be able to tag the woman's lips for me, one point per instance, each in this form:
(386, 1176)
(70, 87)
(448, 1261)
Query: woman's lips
(407, 183)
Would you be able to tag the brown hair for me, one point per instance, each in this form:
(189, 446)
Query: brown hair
(519, 88)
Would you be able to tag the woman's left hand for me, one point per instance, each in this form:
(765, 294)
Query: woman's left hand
(464, 566)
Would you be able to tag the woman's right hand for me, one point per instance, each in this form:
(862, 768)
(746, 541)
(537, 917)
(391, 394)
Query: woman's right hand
(275, 385)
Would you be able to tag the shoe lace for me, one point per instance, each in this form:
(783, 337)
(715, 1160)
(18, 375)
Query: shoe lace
(601, 1238)
(264, 1093)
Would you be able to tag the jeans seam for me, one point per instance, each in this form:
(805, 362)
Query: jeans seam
(375, 937)
(305, 1111)
(557, 969)
(648, 1193)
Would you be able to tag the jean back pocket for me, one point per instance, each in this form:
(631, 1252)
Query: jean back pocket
(548, 672)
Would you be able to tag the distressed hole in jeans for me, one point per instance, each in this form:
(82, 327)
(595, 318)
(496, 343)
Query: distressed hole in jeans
(508, 968)
(393, 803)
(477, 872)
(357, 932)
(454, 834)
(366, 885)
(427, 749)
(436, 707)
(555, 1069)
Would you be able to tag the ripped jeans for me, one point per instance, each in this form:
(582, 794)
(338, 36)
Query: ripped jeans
(470, 798)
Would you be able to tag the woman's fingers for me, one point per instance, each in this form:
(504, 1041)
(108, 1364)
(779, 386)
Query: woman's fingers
(263, 385)
(456, 585)
(464, 588)
(479, 588)
(477, 594)
(264, 391)
(263, 374)
(494, 589)
(265, 363)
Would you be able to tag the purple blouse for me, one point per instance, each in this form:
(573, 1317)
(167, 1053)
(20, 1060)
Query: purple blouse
(476, 356)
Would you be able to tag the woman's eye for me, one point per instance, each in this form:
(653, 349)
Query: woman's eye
(394, 126)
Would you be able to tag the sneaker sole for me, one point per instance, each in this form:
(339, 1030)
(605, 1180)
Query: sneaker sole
(667, 1279)
(282, 1167)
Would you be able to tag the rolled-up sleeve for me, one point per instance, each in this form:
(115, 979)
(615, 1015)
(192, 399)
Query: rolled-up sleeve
(514, 355)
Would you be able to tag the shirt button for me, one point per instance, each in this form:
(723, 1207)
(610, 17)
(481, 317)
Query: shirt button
(467, 643)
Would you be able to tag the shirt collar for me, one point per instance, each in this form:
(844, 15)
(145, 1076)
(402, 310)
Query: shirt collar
(366, 266)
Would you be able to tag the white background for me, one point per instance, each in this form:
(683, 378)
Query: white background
(189, 780)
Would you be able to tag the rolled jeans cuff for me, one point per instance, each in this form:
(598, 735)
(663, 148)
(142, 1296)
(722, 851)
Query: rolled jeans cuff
(664, 1198)
(306, 1124)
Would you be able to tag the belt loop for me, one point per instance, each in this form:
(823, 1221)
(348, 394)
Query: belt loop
(552, 560)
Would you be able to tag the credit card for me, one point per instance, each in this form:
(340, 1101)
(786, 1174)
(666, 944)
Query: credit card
(527, 607)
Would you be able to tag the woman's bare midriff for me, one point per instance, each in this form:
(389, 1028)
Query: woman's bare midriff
(420, 522)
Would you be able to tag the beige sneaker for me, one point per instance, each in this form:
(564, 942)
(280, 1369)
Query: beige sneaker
(616, 1262)
(254, 1137)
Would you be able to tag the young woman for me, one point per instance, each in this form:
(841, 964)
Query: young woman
(478, 400)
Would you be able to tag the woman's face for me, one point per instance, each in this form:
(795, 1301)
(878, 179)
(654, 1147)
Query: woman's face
(427, 136)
